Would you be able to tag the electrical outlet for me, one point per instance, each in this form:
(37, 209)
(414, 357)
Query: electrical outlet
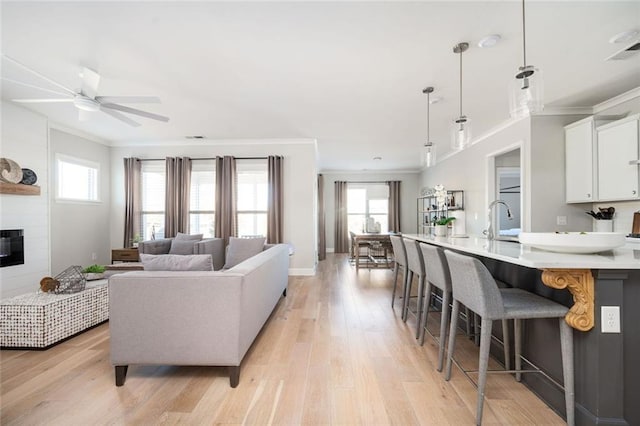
(610, 319)
(561, 220)
(94, 256)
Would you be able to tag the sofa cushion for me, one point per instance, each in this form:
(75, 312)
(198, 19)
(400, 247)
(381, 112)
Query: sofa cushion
(181, 246)
(175, 262)
(188, 237)
(241, 249)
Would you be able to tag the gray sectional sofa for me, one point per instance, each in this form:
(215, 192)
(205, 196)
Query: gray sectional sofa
(194, 317)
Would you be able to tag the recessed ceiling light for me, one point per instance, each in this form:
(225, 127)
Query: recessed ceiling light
(623, 37)
(377, 158)
(489, 41)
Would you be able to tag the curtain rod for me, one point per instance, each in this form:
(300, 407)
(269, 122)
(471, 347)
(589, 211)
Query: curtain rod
(367, 181)
(207, 158)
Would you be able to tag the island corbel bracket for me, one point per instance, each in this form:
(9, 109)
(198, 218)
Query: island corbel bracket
(580, 284)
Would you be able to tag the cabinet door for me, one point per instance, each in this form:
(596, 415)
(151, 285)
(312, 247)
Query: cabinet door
(579, 163)
(617, 146)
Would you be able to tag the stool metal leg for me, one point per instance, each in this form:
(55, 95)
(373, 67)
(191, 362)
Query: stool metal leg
(517, 335)
(452, 338)
(506, 345)
(566, 343)
(485, 343)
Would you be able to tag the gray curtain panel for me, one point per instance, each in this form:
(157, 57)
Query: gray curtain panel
(341, 242)
(394, 205)
(275, 199)
(226, 190)
(132, 203)
(322, 238)
(178, 185)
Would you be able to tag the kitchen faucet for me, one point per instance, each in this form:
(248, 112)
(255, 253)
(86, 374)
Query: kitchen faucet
(489, 231)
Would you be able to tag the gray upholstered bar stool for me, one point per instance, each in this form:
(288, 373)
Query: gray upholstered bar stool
(400, 262)
(415, 266)
(473, 285)
(437, 275)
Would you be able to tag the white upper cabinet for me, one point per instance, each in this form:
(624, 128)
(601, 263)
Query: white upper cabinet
(618, 160)
(579, 161)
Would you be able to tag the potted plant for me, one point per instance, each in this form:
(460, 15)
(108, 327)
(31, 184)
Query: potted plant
(94, 272)
(135, 240)
(441, 226)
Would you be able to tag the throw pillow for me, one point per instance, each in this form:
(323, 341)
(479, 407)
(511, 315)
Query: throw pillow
(176, 262)
(187, 237)
(181, 247)
(240, 249)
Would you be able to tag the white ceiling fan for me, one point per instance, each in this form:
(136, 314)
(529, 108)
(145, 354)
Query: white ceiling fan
(86, 99)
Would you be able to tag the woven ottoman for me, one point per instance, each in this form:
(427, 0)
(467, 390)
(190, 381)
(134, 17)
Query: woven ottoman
(38, 320)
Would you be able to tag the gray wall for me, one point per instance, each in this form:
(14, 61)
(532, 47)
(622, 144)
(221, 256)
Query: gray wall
(408, 195)
(80, 231)
(300, 191)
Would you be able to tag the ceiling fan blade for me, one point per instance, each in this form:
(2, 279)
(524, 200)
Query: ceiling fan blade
(41, 101)
(33, 87)
(128, 99)
(121, 117)
(36, 73)
(90, 82)
(136, 112)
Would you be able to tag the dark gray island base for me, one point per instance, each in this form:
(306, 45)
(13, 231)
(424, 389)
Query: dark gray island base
(607, 381)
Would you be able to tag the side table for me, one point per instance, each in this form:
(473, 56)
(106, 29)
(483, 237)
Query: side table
(125, 255)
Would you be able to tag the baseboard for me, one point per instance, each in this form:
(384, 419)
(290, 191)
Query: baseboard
(302, 271)
(585, 417)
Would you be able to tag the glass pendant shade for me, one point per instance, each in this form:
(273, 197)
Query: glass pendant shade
(429, 154)
(460, 133)
(526, 92)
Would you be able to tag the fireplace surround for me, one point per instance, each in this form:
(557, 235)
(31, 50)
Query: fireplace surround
(11, 247)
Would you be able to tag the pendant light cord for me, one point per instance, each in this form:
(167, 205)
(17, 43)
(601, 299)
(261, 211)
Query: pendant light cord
(460, 82)
(524, 38)
(428, 139)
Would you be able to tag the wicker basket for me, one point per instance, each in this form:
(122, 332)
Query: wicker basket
(72, 280)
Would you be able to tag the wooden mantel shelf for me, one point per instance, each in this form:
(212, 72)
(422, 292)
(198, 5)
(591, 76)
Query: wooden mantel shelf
(19, 189)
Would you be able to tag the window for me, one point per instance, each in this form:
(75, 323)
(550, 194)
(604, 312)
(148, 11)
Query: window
(153, 196)
(202, 198)
(252, 176)
(367, 203)
(77, 179)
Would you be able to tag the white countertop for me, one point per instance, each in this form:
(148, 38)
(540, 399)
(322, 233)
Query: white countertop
(625, 257)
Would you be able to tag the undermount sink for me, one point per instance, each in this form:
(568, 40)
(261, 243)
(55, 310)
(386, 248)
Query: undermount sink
(573, 242)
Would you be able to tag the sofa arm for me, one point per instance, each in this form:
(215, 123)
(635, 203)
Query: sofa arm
(161, 246)
(214, 247)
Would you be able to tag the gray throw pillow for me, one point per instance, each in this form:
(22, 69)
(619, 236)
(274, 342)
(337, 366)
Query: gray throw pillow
(187, 237)
(175, 262)
(181, 247)
(241, 249)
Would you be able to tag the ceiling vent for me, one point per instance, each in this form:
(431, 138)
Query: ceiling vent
(625, 53)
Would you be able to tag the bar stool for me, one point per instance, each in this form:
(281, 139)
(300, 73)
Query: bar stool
(473, 285)
(415, 266)
(400, 261)
(437, 274)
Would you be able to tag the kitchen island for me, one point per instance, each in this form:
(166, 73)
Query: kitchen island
(607, 381)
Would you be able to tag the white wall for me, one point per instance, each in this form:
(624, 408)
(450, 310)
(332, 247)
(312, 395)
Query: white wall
(24, 140)
(300, 191)
(80, 231)
(408, 194)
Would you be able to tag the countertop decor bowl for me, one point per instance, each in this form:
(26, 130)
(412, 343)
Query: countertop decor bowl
(573, 242)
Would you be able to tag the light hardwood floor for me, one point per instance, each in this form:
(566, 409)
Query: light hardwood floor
(333, 352)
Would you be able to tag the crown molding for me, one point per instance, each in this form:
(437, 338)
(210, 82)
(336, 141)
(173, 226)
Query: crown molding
(215, 142)
(617, 100)
(565, 111)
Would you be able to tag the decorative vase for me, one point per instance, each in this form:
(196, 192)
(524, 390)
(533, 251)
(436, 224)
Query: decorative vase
(441, 230)
(603, 225)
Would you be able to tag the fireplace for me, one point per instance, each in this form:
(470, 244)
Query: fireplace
(11, 247)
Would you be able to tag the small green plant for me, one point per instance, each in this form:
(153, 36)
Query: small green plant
(445, 220)
(95, 269)
(136, 239)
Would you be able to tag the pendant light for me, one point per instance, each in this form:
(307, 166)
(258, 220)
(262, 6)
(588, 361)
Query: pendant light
(461, 129)
(429, 149)
(525, 97)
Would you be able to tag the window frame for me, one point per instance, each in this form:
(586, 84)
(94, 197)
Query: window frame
(143, 212)
(69, 159)
(204, 212)
(264, 167)
(367, 212)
